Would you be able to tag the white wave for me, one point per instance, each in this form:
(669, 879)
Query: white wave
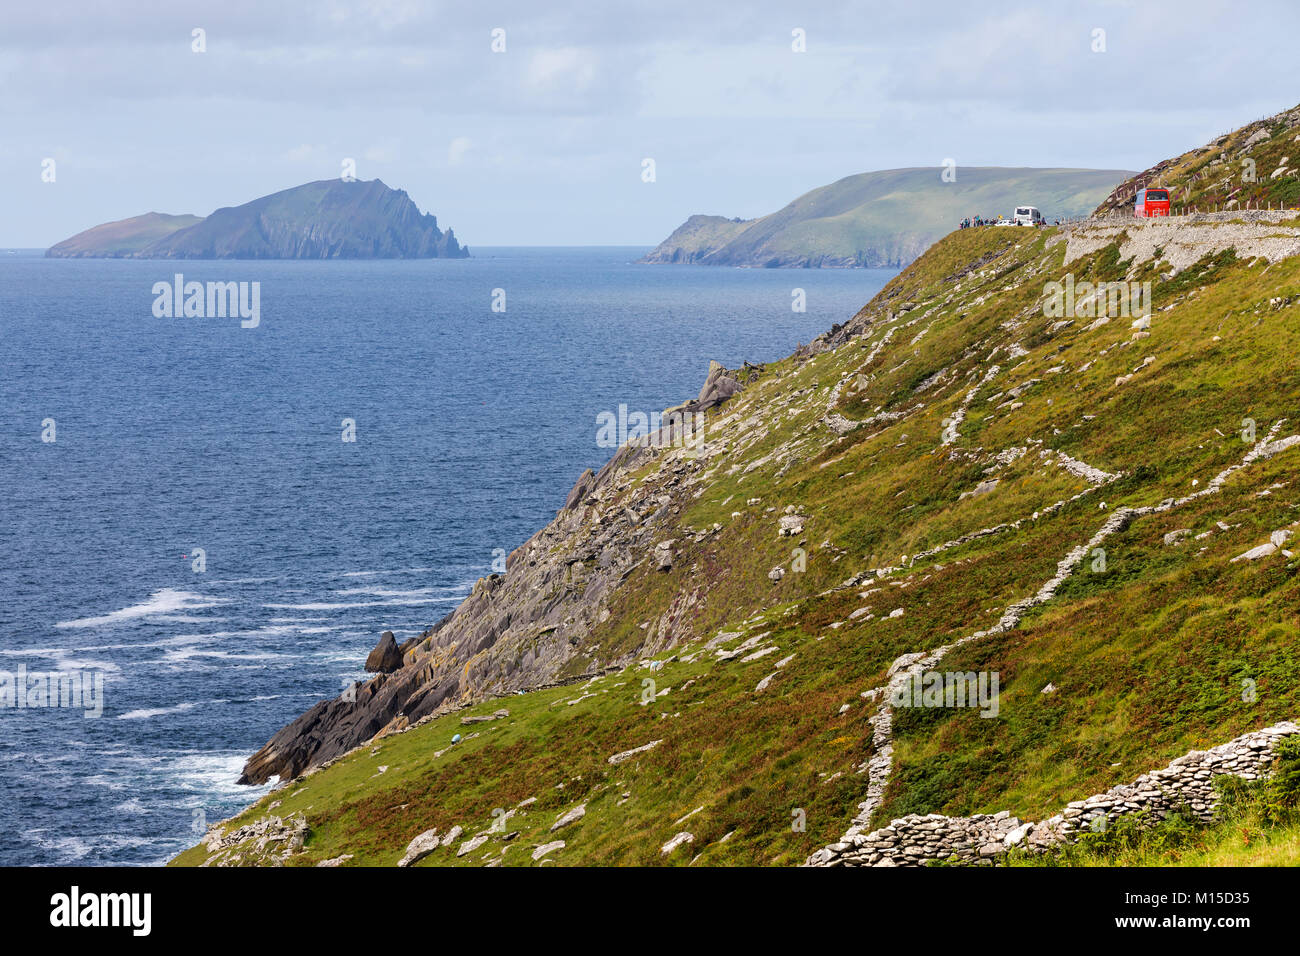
(166, 601)
(145, 714)
(33, 652)
(209, 774)
(388, 592)
(371, 574)
(65, 663)
(62, 652)
(68, 848)
(269, 631)
(345, 605)
(60, 659)
(193, 653)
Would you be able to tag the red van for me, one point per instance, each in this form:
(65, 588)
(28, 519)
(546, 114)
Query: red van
(1151, 202)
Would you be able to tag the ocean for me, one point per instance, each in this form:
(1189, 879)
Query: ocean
(183, 515)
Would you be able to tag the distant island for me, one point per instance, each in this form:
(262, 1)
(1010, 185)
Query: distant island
(327, 219)
(882, 219)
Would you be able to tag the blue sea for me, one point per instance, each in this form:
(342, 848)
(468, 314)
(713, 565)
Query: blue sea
(198, 533)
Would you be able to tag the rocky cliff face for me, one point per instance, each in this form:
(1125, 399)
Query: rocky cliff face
(535, 623)
(328, 219)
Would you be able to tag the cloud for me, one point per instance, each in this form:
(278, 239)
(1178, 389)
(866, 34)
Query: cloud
(570, 69)
(458, 149)
(386, 152)
(544, 141)
(301, 154)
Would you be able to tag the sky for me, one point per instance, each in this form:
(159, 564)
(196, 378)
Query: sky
(544, 142)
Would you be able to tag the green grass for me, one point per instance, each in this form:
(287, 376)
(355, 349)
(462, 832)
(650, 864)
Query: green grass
(883, 217)
(1148, 655)
(1256, 823)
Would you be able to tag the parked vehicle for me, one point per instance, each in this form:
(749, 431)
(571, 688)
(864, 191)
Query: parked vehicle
(1152, 201)
(1028, 216)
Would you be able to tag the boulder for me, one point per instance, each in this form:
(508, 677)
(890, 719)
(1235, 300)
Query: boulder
(386, 657)
(629, 754)
(718, 387)
(664, 555)
(1254, 554)
(676, 841)
(472, 844)
(572, 816)
(546, 848)
(420, 847)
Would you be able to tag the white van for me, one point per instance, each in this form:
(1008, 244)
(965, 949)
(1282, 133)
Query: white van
(1027, 216)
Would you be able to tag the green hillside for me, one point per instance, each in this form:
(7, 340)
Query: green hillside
(124, 238)
(692, 663)
(1255, 167)
(884, 218)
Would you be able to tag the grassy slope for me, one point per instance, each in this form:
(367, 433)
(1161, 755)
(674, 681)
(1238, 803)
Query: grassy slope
(1237, 842)
(891, 214)
(700, 235)
(1148, 657)
(857, 215)
(1221, 172)
(125, 237)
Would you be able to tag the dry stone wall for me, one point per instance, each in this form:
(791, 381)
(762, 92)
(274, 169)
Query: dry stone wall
(1186, 783)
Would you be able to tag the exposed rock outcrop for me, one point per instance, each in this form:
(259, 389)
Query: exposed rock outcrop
(386, 657)
(523, 628)
(420, 847)
(270, 840)
(718, 387)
